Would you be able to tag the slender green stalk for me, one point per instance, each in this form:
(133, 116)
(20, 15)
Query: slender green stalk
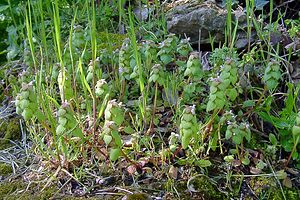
(293, 150)
(229, 21)
(94, 55)
(29, 32)
(43, 30)
(138, 64)
(153, 109)
(72, 61)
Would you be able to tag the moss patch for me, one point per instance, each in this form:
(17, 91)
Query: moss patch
(137, 196)
(8, 188)
(266, 188)
(110, 40)
(205, 188)
(17, 189)
(5, 169)
(9, 130)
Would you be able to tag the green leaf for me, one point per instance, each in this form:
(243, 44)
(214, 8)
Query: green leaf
(153, 78)
(107, 114)
(118, 119)
(187, 117)
(248, 103)
(225, 75)
(210, 106)
(181, 162)
(296, 131)
(273, 139)
(61, 112)
(248, 135)
(128, 130)
(246, 161)
(19, 110)
(229, 158)
(232, 94)
(24, 103)
(220, 103)
(185, 125)
(78, 133)
(166, 58)
(259, 4)
(276, 75)
(213, 89)
(107, 139)
(228, 134)
(3, 8)
(60, 129)
(261, 165)
(237, 139)
(203, 163)
(114, 154)
(62, 121)
(187, 132)
(117, 138)
(187, 72)
(272, 83)
(185, 141)
(27, 114)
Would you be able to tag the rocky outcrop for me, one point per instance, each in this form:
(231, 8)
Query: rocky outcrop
(188, 17)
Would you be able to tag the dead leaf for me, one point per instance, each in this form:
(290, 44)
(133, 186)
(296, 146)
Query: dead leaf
(287, 182)
(254, 170)
(131, 169)
(173, 172)
(236, 163)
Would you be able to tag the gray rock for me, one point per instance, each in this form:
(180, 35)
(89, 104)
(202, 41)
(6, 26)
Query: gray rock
(188, 17)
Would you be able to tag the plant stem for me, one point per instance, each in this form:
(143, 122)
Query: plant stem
(150, 130)
(294, 148)
(123, 89)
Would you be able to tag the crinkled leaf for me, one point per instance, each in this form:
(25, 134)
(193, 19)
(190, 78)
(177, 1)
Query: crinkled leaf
(237, 139)
(128, 130)
(248, 103)
(166, 58)
(228, 134)
(117, 138)
(210, 106)
(272, 83)
(107, 139)
(229, 158)
(118, 119)
(232, 94)
(246, 161)
(259, 4)
(296, 131)
(185, 141)
(273, 139)
(114, 154)
(203, 163)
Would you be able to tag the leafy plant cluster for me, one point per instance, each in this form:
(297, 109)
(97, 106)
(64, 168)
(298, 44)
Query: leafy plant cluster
(96, 101)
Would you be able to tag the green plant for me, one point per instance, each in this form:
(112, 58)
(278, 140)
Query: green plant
(26, 101)
(114, 117)
(101, 88)
(224, 86)
(157, 76)
(296, 136)
(74, 72)
(167, 49)
(272, 75)
(193, 67)
(184, 47)
(188, 126)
